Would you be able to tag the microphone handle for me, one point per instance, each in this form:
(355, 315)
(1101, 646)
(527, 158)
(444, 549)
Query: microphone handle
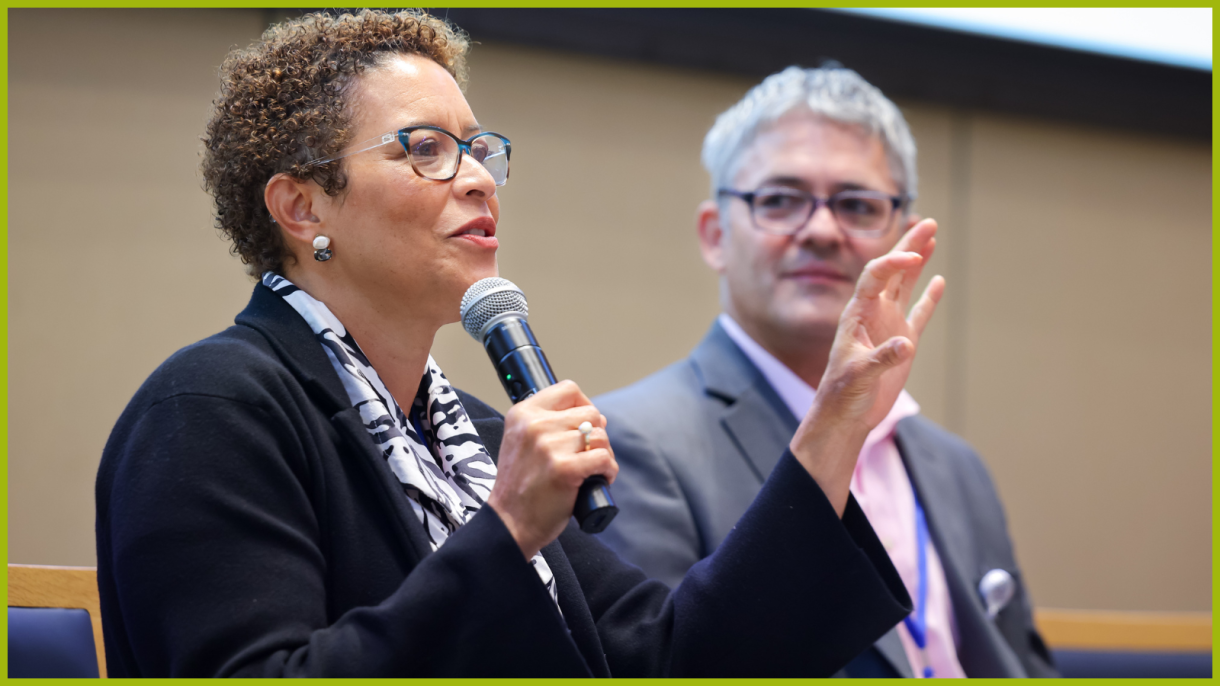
(523, 370)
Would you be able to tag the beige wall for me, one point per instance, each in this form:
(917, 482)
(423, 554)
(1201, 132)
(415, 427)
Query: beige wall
(1072, 348)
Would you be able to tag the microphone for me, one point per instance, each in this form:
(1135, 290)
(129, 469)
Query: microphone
(494, 313)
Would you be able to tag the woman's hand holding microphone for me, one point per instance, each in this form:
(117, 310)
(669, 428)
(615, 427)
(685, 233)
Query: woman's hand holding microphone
(544, 458)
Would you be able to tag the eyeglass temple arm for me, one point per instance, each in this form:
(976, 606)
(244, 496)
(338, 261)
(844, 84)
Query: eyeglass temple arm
(377, 142)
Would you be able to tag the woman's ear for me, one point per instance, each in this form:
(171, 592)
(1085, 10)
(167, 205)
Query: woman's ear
(291, 204)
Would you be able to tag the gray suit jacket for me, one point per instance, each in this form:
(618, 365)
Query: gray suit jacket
(695, 442)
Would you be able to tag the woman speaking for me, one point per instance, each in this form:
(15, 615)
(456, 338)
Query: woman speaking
(304, 494)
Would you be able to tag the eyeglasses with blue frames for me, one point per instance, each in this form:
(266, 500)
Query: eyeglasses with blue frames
(436, 154)
(783, 211)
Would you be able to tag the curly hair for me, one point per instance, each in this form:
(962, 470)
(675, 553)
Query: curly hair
(282, 103)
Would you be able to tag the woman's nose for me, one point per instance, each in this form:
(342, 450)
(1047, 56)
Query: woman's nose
(473, 178)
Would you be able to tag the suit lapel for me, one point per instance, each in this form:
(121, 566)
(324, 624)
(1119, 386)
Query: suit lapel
(297, 346)
(983, 651)
(356, 436)
(758, 430)
(755, 418)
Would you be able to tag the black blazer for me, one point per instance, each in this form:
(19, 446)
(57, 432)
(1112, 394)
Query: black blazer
(247, 525)
(697, 441)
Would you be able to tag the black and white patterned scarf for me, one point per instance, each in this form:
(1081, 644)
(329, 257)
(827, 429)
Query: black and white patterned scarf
(438, 456)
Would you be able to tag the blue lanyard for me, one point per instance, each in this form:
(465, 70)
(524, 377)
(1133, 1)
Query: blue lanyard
(917, 622)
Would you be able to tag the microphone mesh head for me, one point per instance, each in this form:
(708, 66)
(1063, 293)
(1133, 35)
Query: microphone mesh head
(489, 298)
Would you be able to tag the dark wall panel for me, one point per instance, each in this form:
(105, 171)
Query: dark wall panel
(906, 61)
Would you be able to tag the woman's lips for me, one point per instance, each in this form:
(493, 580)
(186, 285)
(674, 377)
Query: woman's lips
(481, 241)
(481, 232)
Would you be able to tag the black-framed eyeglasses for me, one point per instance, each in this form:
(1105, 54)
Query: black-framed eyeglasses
(780, 210)
(436, 154)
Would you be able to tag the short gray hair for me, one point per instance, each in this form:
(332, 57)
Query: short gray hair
(838, 94)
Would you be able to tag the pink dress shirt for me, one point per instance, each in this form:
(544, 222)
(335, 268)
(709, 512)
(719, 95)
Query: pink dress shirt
(883, 490)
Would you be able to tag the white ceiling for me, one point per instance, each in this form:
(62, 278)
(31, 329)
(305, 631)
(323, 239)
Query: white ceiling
(1179, 36)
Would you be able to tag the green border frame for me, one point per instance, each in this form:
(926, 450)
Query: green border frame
(1215, 372)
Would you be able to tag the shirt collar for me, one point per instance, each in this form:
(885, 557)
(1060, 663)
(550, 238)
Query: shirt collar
(797, 395)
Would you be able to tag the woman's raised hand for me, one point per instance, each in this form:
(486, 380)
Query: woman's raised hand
(543, 462)
(869, 361)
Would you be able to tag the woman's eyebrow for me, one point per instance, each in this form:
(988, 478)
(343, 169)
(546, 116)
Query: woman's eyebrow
(466, 131)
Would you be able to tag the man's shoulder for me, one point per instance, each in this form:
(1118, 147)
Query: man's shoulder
(921, 439)
(919, 428)
(669, 395)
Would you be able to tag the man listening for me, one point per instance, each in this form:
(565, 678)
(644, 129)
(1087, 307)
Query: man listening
(813, 175)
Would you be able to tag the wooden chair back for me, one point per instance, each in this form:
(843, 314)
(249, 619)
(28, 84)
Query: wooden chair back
(66, 587)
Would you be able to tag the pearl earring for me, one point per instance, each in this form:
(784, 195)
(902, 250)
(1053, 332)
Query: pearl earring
(321, 248)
